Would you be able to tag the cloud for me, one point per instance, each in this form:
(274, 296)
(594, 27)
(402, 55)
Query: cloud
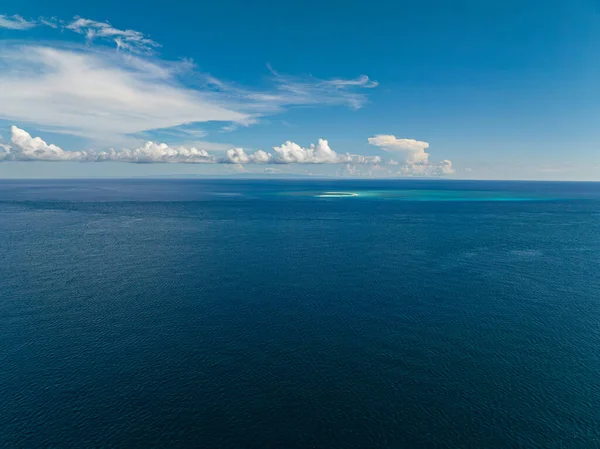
(100, 95)
(178, 132)
(228, 128)
(113, 96)
(239, 156)
(131, 40)
(442, 168)
(261, 157)
(27, 148)
(105, 95)
(413, 150)
(4, 150)
(309, 90)
(236, 156)
(291, 152)
(15, 22)
(415, 160)
(271, 170)
(125, 39)
(349, 170)
(152, 152)
(359, 159)
(52, 22)
(361, 81)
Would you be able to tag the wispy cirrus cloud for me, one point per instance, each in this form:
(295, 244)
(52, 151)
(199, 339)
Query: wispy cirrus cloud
(16, 22)
(93, 30)
(306, 90)
(124, 39)
(102, 94)
(309, 90)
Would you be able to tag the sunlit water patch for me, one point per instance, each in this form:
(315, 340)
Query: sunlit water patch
(336, 194)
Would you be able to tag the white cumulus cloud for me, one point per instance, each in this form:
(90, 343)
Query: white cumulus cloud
(27, 148)
(291, 152)
(412, 150)
(414, 157)
(444, 167)
(152, 152)
(261, 157)
(239, 156)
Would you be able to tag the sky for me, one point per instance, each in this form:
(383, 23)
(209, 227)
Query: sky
(464, 89)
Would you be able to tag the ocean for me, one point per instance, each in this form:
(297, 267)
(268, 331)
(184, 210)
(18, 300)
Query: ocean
(256, 314)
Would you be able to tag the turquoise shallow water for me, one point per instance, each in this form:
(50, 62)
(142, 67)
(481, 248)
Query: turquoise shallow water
(255, 314)
(427, 195)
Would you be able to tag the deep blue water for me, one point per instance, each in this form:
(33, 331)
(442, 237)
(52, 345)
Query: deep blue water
(256, 314)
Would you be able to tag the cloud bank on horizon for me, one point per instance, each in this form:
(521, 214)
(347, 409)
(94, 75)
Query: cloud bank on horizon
(27, 148)
(108, 96)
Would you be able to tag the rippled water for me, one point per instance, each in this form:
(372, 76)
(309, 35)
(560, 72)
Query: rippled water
(234, 314)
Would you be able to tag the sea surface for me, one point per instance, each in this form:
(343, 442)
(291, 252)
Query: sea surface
(250, 314)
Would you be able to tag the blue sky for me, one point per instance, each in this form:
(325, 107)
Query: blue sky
(465, 89)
